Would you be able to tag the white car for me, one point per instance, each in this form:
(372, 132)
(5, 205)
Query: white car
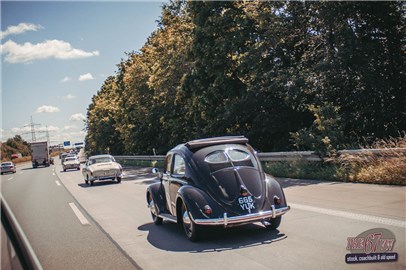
(7, 167)
(71, 163)
(102, 167)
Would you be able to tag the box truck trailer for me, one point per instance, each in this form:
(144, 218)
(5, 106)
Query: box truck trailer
(40, 154)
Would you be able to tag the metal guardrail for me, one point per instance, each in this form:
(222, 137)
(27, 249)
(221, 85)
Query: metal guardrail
(146, 158)
(288, 156)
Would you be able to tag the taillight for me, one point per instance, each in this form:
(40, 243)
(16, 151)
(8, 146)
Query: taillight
(277, 200)
(207, 210)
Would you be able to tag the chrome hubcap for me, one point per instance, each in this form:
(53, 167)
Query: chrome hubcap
(152, 207)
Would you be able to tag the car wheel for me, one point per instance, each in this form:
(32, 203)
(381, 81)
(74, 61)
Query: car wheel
(87, 179)
(154, 212)
(274, 223)
(91, 183)
(192, 230)
(118, 179)
(64, 169)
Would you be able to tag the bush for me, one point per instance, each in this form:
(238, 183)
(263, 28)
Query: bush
(303, 169)
(387, 167)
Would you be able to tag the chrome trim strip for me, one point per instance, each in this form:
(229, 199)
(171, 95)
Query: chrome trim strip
(273, 211)
(226, 220)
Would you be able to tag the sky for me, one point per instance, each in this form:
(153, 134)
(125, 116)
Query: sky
(56, 55)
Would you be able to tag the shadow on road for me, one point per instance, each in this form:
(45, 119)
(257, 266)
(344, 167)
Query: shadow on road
(98, 183)
(214, 239)
(291, 182)
(31, 168)
(143, 175)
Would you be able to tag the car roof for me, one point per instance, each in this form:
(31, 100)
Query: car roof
(216, 141)
(6, 162)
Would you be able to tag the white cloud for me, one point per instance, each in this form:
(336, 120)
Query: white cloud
(77, 117)
(19, 29)
(27, 52)
(49, 128)
(86, 77)
(71, 127)
(73, 137)
(47, 109)
(66, 79)
(17, 130)
(69, 96)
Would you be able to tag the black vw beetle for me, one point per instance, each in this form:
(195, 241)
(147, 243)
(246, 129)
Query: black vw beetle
(213, 182)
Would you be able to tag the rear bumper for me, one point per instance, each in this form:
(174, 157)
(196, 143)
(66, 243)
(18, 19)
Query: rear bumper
(107, 177)
(250, 218)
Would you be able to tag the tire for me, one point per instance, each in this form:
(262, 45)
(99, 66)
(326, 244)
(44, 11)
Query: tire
(118, 179)
(153, 208)
(87, 180)
(64, 169)
(191, 229)
(91, 183)
(274, 223)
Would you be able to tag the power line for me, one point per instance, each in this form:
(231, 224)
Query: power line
(32, 126)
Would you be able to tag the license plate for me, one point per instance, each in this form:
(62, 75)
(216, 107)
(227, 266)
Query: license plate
(246, 203)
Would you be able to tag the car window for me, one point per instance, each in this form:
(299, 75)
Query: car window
(216, 157)
(168, 161)
(179, 165)
(238, 155)
(222, 159)
(101, 160)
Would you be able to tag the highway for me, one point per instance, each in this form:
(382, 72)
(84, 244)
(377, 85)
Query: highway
(114, 230)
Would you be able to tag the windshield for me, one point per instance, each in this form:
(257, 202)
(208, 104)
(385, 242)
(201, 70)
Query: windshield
(101, 160)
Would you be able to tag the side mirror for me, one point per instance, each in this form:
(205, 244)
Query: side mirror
(156, 171)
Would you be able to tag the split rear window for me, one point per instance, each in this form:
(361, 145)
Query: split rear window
(221, 159)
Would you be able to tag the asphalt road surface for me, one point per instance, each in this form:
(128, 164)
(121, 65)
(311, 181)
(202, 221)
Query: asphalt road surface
(313, 235)
(49, 216)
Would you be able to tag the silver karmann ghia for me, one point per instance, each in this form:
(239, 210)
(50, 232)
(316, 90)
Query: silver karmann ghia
(102, 167)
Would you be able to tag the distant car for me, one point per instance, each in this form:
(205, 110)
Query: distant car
(102, 167)
(8, 167)
(62, 156)
(71, 163)
(215, 182)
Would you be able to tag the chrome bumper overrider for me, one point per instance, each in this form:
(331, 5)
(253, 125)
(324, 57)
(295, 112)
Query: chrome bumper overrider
(243, 219)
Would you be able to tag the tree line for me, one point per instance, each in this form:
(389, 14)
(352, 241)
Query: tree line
(15, 145)
(287, 75)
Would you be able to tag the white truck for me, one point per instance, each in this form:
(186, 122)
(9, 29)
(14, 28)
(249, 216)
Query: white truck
(40, 154)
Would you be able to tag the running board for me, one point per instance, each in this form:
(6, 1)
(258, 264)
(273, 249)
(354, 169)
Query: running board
(168, 217)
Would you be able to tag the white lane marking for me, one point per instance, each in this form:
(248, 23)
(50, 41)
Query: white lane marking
(11, 178)
(57, 182)
(79, 214)
(350, 215)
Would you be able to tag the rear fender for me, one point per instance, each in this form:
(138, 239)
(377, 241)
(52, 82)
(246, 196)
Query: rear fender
(158, 195)
(195, 200)
(275, 189)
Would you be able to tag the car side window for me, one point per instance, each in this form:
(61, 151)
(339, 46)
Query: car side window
(168, 161)
(178, 166)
